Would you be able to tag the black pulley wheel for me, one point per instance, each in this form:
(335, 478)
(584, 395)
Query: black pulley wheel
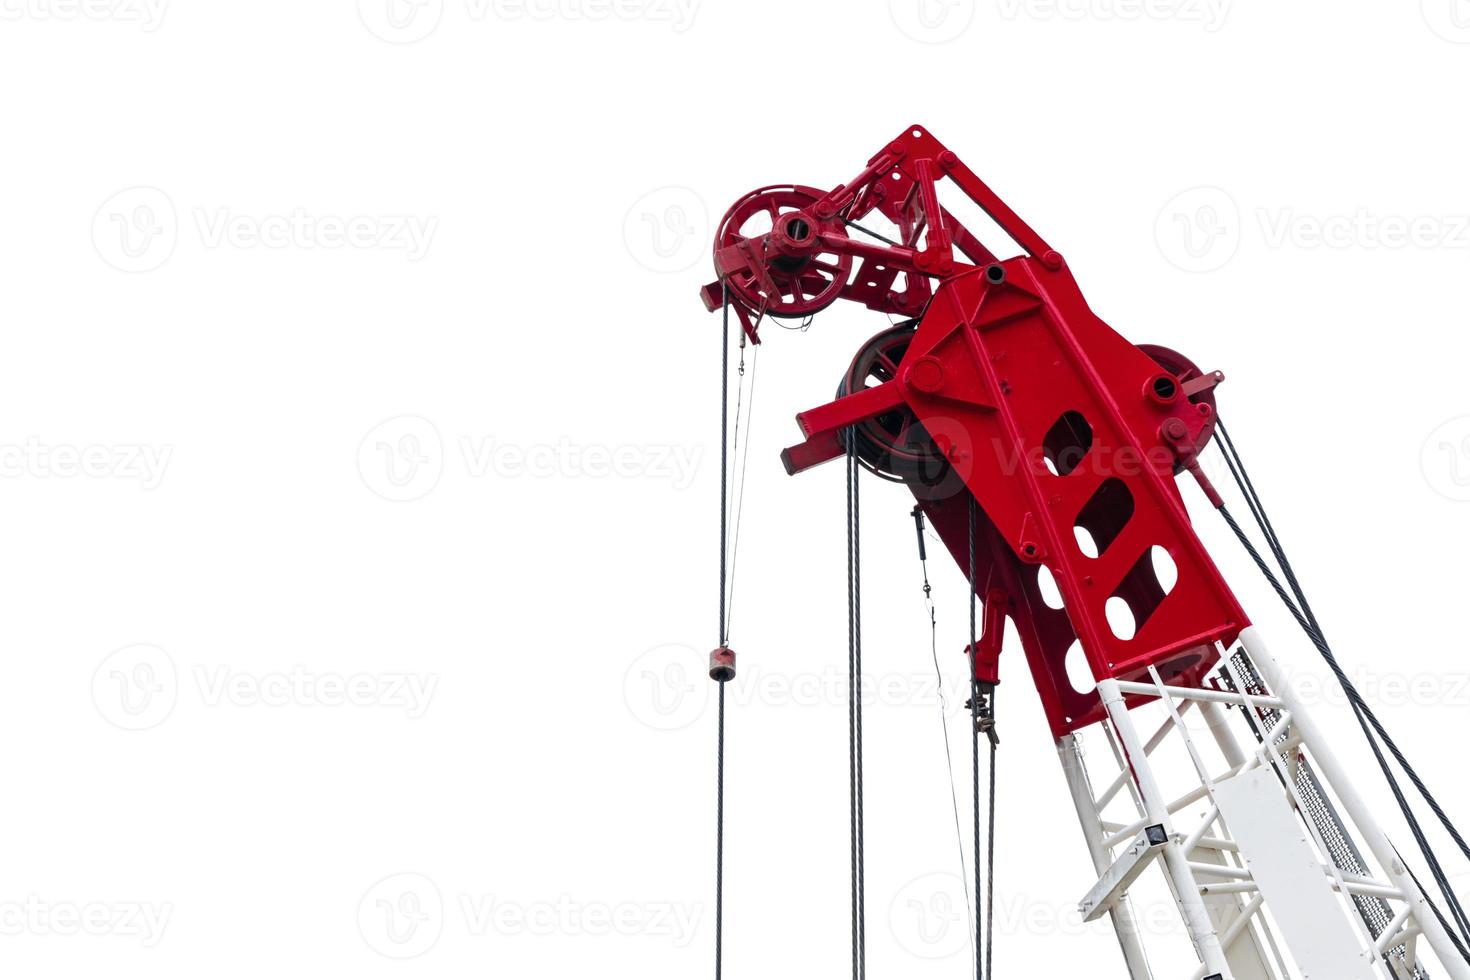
(895, 445)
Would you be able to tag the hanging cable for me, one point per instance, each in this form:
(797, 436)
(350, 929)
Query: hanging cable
(1367, 720)
(983, 680)
(724, 446)
(720, 843)
(855, 709)
(974, 707)
(990, 862)
(722, 660)
(742, 463)
(954, 799)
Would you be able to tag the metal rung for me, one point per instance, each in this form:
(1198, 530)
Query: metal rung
(1123, 872)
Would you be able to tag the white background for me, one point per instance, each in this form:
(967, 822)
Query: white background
(360, 457)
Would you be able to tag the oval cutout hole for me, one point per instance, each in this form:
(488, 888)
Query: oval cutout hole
(1066, 443)
(1079, 674)
(1164, 568)
(1047, 585)
(1085, 541)
(1106, 514)
(1120, 618)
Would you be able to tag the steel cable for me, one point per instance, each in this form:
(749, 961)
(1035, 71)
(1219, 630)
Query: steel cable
(990, 869)
(954, 798)
(724, 535)
(975, 737)
(855, 710)
(1367, 720)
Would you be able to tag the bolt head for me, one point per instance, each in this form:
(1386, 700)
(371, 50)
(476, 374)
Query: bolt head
(927, 375)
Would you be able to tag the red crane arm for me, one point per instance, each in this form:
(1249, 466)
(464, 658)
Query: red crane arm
(1005, 388)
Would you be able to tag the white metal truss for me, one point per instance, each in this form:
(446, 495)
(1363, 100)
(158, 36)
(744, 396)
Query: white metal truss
(1288, 875)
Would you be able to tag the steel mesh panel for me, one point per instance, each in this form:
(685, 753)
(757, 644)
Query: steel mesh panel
(1341, 847)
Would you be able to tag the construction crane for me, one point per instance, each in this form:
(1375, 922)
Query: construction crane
(1045, 451)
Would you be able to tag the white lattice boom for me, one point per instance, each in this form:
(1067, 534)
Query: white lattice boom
(1286, 874)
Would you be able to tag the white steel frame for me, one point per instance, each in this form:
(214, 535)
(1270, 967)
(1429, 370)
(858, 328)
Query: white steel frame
(1205, 868)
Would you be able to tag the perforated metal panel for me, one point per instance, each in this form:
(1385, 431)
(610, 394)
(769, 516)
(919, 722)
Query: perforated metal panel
(1375, 912)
